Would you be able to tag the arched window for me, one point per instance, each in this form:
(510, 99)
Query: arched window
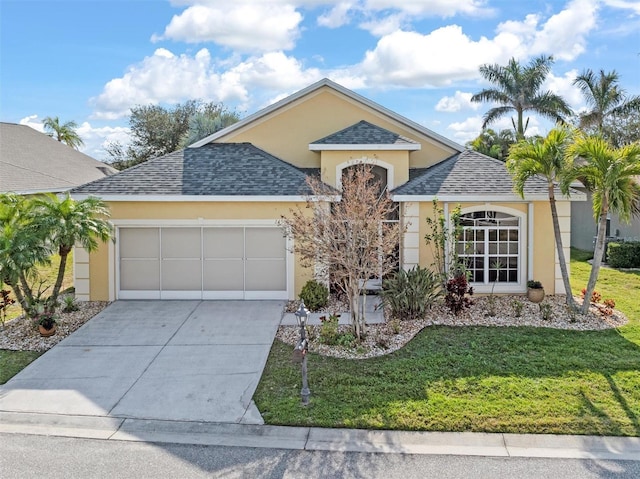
(491, 247)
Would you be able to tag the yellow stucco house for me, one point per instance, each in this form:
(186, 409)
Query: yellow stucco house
(201, 223)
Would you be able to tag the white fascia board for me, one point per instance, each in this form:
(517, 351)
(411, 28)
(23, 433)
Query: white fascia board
(482, 198)
(366, 147)
(195, 198)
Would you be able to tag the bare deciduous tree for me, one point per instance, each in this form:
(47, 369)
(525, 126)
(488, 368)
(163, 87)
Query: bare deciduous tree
(348, 233)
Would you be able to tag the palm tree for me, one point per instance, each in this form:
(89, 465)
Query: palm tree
(518, 90)
(65, 133)
(605, 98)
(493, 144)
(545, 157)
(608, 173)
(22, 247)
(67, 222)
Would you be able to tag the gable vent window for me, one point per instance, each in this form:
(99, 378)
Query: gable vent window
(490, 247)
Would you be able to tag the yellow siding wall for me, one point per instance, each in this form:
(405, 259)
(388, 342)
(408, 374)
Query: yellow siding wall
(99, 260)
(287, 132)
(543, 248)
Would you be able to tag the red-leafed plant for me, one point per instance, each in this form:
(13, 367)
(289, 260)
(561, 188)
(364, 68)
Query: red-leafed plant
(459, 294)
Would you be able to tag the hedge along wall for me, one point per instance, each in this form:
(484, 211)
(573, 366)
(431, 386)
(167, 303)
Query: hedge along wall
(624, 255)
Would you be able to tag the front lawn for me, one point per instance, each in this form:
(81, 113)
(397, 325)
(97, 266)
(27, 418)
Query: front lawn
(518, 379)
(12, 362)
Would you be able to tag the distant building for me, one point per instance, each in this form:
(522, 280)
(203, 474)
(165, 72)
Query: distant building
(32, 162)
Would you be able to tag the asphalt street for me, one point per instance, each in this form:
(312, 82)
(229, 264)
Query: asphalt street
(25, 456)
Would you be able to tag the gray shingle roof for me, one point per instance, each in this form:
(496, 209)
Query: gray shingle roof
(364, 133)
(466, 173)
(216, 169)
(31, 162)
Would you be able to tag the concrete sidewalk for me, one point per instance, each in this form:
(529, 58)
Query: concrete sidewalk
(318, 439)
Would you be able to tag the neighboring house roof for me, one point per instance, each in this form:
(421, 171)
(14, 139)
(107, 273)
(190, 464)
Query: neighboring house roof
(325, 82)
(469, 174)
(367, 134)
(216, 169)
(32, 162)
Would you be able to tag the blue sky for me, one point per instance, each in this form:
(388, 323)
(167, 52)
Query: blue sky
(91, 60)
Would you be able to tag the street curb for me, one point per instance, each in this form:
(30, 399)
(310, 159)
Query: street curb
(321, 439)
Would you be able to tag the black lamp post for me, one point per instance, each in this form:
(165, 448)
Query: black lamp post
(300, 352)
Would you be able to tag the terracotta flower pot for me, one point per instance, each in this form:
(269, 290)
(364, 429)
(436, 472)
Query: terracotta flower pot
(46, 332)
(535, 295)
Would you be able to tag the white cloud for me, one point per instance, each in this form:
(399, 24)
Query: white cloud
(337, 16)
(439, 8)
(384, 25)
(95, 138)
(411, 59)
(459, 101)
(447, 54)
(563, 86)
(471, 127)
(240, 25)
(625, 5)
(33, 122)
(168, 78)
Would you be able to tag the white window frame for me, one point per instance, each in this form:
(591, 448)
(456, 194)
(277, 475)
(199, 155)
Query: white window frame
(523, 247)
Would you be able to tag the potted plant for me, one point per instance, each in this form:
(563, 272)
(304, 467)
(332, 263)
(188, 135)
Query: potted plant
(535, 291)
(46, 324)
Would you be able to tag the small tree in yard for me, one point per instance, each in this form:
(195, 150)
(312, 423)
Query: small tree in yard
(66, 222)
(33, 229)
(349, 236)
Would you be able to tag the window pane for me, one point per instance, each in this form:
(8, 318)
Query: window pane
(493, 235)
(513, 276)
(503, 235)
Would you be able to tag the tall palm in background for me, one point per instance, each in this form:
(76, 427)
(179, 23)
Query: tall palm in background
(519, 89)
(64, 133)
(610, 174)
(546, 157)
(605, 98)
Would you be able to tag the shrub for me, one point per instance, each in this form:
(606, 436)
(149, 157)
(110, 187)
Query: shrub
(624, 255)
(5, 302)
(458, 294)
(70, 304)
(408, 294)
(533, 284)
(315, 295)
(517, 307)
(329, 329)
(595, 296)
(545, 311)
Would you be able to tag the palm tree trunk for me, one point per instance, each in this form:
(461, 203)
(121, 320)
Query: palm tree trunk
(598, 253)
(64, 254)
(561, 258)
(520, 132)
(18, 292)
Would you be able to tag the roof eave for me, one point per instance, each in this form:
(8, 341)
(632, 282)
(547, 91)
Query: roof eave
(365, 147)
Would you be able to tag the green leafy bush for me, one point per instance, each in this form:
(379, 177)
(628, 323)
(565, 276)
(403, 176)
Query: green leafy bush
(315, 295)
(408, 294)
(329, 329)
(624, 255)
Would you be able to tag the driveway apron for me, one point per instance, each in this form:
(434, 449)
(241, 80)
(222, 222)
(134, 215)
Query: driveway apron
(169, 360)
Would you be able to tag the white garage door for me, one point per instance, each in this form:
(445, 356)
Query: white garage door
(202, 263)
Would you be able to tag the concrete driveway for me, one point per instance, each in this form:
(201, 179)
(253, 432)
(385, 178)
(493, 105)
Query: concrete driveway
(169, 360)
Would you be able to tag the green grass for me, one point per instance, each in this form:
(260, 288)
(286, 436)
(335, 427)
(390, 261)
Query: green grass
(524, 380)
(12, 362)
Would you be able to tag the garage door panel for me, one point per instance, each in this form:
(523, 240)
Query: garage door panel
(224, 275)
(140, 275)
(181, 243)
(139, 243)
(265, 243)
(223, 243)
(265, 275)
(182, 275)
(195, 262)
